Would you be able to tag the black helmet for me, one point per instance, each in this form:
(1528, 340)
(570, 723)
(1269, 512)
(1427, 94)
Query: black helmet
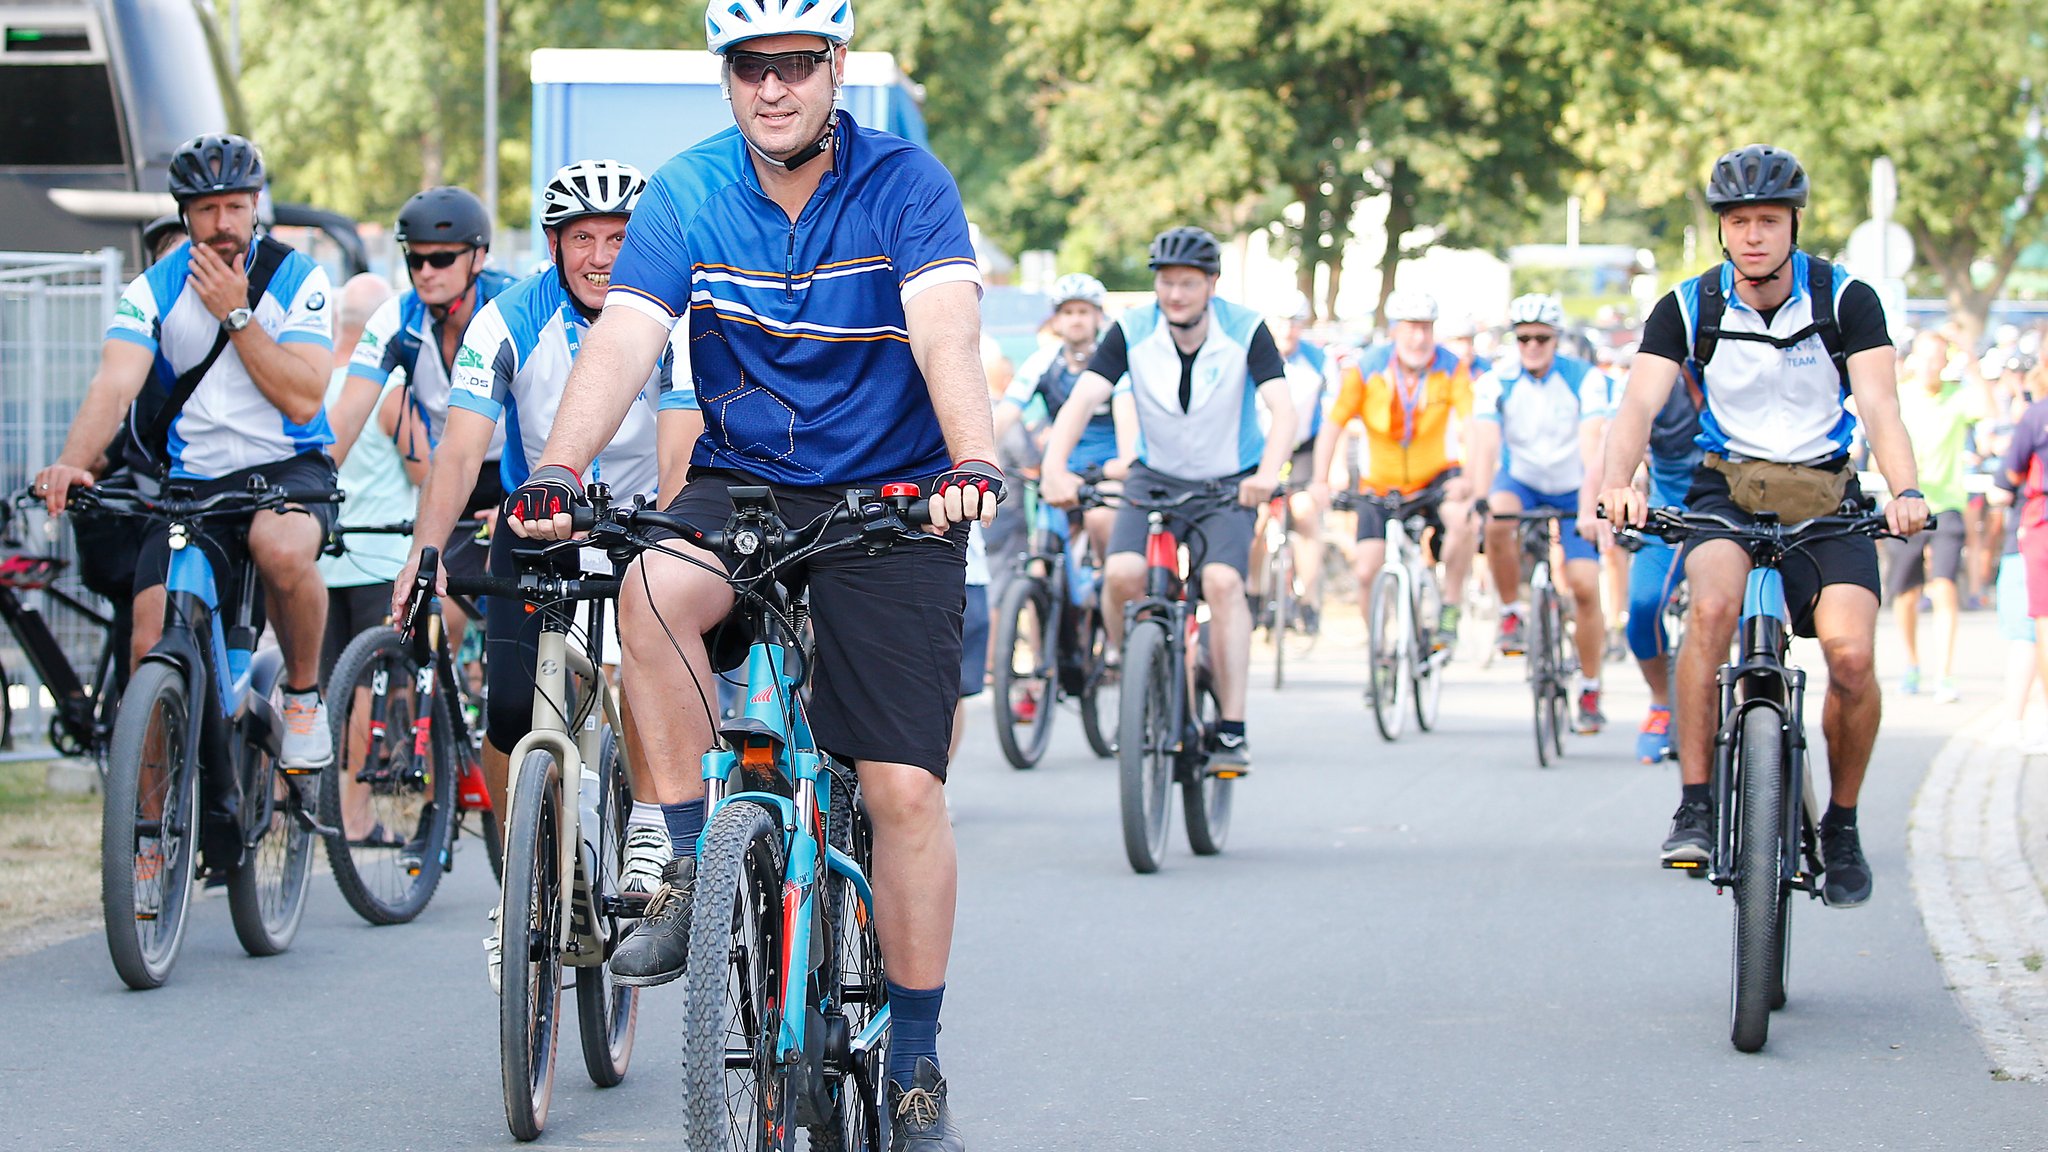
(1757, 174)
(1186, 246)
(445, 215)
(205, 165)
(154, 231)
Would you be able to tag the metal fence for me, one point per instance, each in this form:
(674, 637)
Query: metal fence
(53, 317)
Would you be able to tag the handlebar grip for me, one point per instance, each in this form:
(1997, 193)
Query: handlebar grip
(313, 495)
(1933, 521)
(482, 586)
(582, 517)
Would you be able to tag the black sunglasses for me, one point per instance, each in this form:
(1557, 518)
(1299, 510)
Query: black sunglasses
(789, 67)
(419, 260)
(1543, 338)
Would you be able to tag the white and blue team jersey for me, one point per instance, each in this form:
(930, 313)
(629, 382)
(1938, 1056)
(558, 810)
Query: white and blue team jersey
(1540, 419)
(1047, 374)
(1309, 384)
(1218, 433)
(403, 336)
(514, 361)
(795, 339)
(228, 424)
(1768, 403)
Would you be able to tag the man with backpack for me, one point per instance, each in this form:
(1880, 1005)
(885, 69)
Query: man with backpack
(1775, 344)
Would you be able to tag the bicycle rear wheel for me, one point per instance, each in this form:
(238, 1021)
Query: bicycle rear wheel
(1026, 672)
(389, 869)
(1387, 683)
(149, 830)
(1428, 682)
(267, 894)
(1541, 676)
(1205, 797)
(1101, 692)
(1146, 743)
(734, 1094)
(530, 996)
(1760, 891)
(605, 1010)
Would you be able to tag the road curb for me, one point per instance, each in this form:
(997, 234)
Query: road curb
(1981, 903)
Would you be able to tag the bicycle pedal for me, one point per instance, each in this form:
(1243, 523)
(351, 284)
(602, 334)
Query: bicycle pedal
(1227, 773)
(1693, 867)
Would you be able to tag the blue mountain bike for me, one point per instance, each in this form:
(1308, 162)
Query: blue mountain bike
(201, 705)
(1767, 827)
(787, 1008)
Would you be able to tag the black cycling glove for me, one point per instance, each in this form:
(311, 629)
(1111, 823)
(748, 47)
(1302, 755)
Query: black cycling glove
(551, 490)
(979, 475)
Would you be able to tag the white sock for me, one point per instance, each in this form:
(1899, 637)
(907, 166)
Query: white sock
(1589, 683)
(1518, 608)
(647, 815)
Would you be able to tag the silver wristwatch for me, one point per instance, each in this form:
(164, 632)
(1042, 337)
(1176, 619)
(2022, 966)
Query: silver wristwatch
(237, 320)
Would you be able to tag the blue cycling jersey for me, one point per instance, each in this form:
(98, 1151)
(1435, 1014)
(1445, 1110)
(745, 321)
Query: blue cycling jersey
(797, 343)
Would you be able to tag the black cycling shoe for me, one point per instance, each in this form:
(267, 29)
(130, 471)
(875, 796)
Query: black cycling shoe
(659, 949)
(919, 1118)
(1691, 842)
(1229, 755)
(1845, 873)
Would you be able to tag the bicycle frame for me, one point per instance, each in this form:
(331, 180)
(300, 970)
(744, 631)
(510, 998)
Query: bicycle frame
(84, 719)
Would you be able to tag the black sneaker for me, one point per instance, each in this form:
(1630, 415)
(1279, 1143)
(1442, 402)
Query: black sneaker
(919, 1118)
(1845, 874)
(1691, 842)
(658, 950)
(1229, 755)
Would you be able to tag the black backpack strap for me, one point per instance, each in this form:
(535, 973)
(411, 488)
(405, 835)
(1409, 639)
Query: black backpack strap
(1820, 281)
(1706, 325)
(270, 254)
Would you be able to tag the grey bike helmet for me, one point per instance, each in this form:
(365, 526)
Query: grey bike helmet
(1187, 247)
(445, 215)
(1757, 174)
(214, 163)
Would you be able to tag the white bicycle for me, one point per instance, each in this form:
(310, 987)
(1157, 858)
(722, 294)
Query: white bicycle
(1401, 618)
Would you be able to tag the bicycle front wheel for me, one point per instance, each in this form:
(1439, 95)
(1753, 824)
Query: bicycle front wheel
(530, 996)
(1387, 685)
(1100, 691)
(1147, 743)
(1205, 797)
(1760, 891)
(149, 830)
(1558, 642)
(392, 816)
(267, 894)
(735, 1096)
(606, 1010)
(1026, 672)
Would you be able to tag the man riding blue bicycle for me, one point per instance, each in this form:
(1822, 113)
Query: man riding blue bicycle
(1198, 367)
(831, 302)
(218, 355)
(1774, 343)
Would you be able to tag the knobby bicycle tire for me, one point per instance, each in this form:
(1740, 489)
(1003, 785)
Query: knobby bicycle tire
(1205, 799)
(732, 1009)
(1101, 690)
(380, 882)
(1024, 739)
(1387, 680)
(1759, 887)
(1147, 736)
(152, 785)
(530, 996)
(267, 894)
(854, 980)
(607, 1011)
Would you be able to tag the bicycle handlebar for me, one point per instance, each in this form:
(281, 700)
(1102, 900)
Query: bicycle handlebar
(232, 503)
(1675, 527)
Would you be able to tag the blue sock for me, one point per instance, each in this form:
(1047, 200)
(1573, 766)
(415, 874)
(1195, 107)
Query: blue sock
(1230, 727)
(685, 822)
(913, 1029)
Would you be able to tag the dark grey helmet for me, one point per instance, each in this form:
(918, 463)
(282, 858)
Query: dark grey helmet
(1757, 174)
(1187, 247)
(215, 163)
(445, 215)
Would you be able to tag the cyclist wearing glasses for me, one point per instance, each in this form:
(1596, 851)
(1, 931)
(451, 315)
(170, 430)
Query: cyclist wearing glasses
(509, 376)
(446, 235)
(1540, 419)
(828, 300)
(1077, 300)
(255, 409)
(1795, 339)
(1406, 393)
(1198, 367)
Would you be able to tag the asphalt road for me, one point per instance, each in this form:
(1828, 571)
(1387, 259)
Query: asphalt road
(1426, 945)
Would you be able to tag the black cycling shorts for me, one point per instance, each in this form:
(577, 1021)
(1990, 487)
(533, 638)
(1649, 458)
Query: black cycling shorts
(887, 627)
(1426, 502)
(226, 539)
(350, 612)
(1843, 560)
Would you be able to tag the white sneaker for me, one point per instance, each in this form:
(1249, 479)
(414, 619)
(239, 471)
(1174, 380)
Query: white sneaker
(1948, 692)
(308, 744)
(647, 852)
(494, 955)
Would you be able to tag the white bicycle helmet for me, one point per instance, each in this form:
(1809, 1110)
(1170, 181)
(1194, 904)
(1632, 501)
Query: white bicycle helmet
(1419, 306)
(1078, 286)
(1295, 306)
(728, 22)
(590, 188)
(1537, 308)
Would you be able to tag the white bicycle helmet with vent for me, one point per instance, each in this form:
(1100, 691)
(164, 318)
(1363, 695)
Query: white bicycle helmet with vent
(1295, 306)
(1078, 286)
(728, 22)
(1419, 306)
(590, 188)
(1537, 308)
